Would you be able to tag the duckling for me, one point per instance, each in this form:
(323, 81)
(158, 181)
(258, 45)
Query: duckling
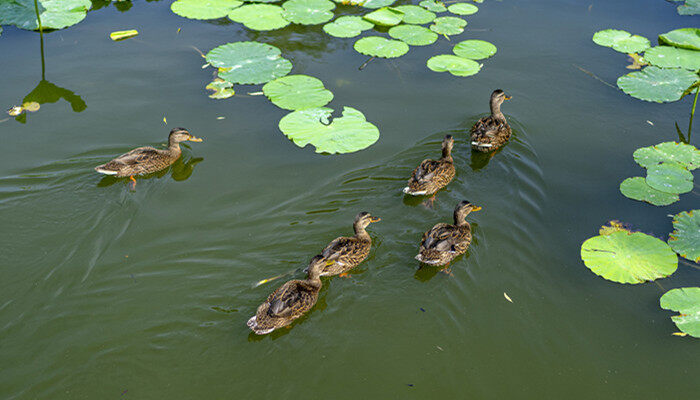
(145, 160)
(289, 302)
(345, 253)
(433, 175)
(444, 242)
(490, 133)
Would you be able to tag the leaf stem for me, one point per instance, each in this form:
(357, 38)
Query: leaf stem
(41, 39)
(366, 62)
(595, 76)
(692, 112)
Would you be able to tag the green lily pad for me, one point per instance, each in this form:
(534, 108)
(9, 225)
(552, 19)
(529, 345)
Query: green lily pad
(377, 46)
(416, 15)
(54, 14)
(626, 257)
(414, 35)
(204, 9)
(262, 1)
(259, 17)
(387, 16)
(686, 38)
(297, 92)
(672, 57)
(685, 238)
(670, 178)
(463, 9)
(455, 65)
(637, 189)
(474, 49)
(621, 41)
(248, 62)
(347, 26)
(684, 154)
(685, 301)
(346, 134)
(222, 89)
(376, 3)
(432, 5)
(657, 84)
(691, 7)
(308, 12)
(448, 25)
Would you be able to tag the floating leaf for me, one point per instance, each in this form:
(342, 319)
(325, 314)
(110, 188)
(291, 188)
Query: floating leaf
(297, 92)
(259, 17)
(672, 57)
(204, 9)
(248, 62)
(262, 1)
(621, 41)
(628, 257)
(637, 61)
(347, 26)
(31, 106)
(463, 9)
(222, 89)
(685, 301)
(54, 14)
(432, 5)
(670, 178)
(414, 35)
(415, 15)
(681, 153)
(455, 65)
(377, 46)
(685, 238)
(686, 38)
(637, 189)
(691, 7)
(346, 134)
(375, 3)
(474, 49)
(657, 84)
(308, 12)
(448, 25)
(612, 226)
(121, 35)
(387, 16)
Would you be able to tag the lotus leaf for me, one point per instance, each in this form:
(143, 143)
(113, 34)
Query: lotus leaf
(637, 189)
(414, 35)
(627, 257)
(262, 1)
(54, 14)
(387, 16)
(204, 9)
(691, 7)
(297, 92)
(248, 62)
(308, 12)
(672, 57)
(432, 5)
(670, 178)
(448, 25)
(416, 15)
(681, 153)
(474, 49)
(685, 238)
(686, 38)
(259, 17)
(377, 46)
(222, 89)
(657, 84)
(463, 9)
(455, 65)
(346, 134)
(347, 26)
(685, 301)
(375, 3)
(621, 41)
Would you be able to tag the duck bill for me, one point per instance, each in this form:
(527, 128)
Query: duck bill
(509, 97)
(477, 208)
(194, 139)
(375, 219)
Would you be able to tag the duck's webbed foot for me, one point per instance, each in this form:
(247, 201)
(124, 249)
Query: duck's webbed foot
(133, 182)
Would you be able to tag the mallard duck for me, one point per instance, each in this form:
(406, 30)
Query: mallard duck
(433, 175)
(345, 253)
(490, 133)
(444, 242)
(145, 160)
(289, 302)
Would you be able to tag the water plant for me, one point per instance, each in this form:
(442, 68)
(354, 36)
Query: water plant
(685, 301)
(248, 62)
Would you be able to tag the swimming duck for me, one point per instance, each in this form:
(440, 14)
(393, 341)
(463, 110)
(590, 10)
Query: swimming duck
(289, 302)
(145, 160)
(433, 175)
(444, 242)
(345, 253)
(490, 133)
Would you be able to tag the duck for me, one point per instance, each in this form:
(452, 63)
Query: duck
(289, 302)
(443, 242)
(345, 253)
(433, 175)
(145, 160)
(490, 133)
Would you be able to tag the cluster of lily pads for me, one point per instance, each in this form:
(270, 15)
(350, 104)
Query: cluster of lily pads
(689, 7)
(54, 14)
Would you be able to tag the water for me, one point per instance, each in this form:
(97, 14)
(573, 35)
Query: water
(108, 293)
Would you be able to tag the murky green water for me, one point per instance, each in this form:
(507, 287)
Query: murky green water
(108, 293)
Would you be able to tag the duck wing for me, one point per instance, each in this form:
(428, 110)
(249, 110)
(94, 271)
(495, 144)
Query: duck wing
(425, 171)
(286, 300)
(444, 237)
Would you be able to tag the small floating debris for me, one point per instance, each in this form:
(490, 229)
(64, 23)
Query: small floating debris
(165, 120)
(31, 106)
(220, 118)
(507, 297)
(121, 35)
(679, 334)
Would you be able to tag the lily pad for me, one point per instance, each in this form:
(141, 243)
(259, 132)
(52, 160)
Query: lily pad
(685, 301)
(621, 41)
(432, 5)
(448, 25)
(682, 153)
(297, 92)
(463, 9)
(670, 178)
(672, 57)
(691, 7)
(204, 9)
(259, 17)
(628, 257)
(54, 14)
(346, 134)
(248, 62)
(685, 238)
(637, 189)
(387, 16)
(347, 26)
(308, 12)
(377, 46)
(474, 49)
(686, 38)
(455, 65)
(376, 3)
(416, 15)
(657, 84)
(222, 89)
(414, 35)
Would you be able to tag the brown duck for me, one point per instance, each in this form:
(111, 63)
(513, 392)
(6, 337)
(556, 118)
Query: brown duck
(345, 253)
(444, 242)
(490, 133)
(433, 175)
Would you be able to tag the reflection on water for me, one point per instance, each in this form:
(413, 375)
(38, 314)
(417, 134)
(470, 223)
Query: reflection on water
(181, 170)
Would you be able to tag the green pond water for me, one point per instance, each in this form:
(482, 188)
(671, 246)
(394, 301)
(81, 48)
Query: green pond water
(107, 293)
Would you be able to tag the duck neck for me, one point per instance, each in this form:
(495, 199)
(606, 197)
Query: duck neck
(446, 154)
(460, 218)
(314, 280)
(361, 233)
(174, 148)
(496, 110)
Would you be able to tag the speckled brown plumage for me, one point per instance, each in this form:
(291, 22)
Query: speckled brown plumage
(443, 242)
(492, 132)
(345, 253)
(432, 175)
